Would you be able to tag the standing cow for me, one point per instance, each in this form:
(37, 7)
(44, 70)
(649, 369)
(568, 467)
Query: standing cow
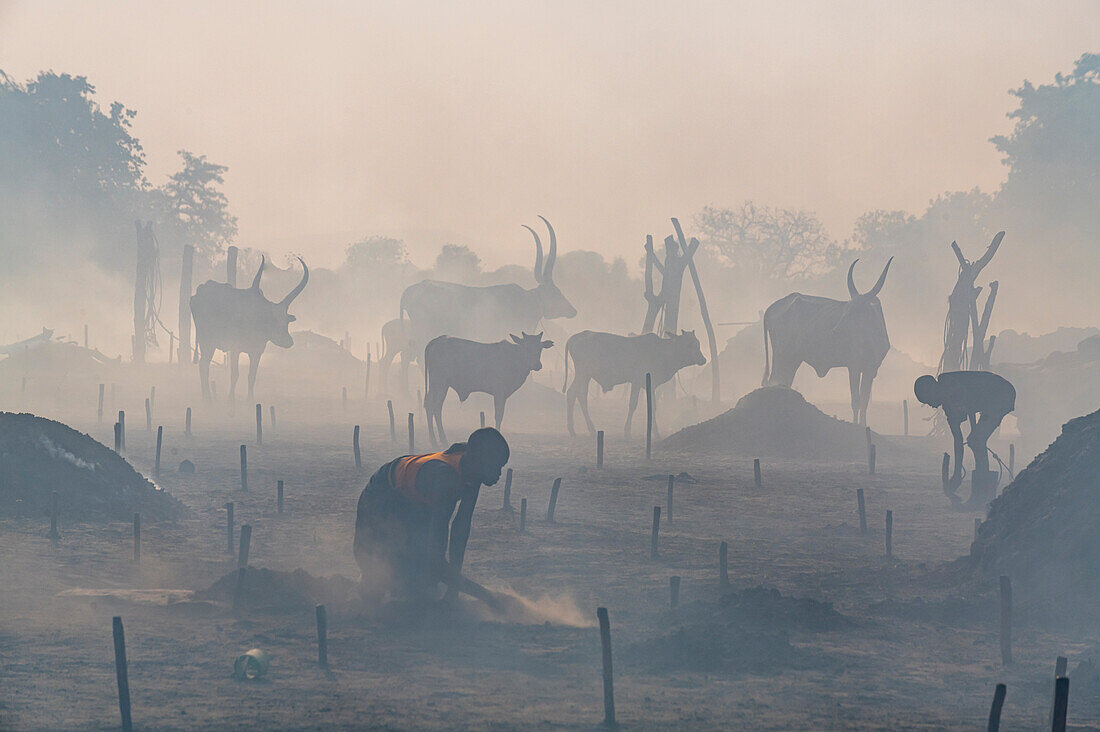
(485, 313)
(466, 366)
(395, 342)
(240, 320)
(614, 359)
(828, 334)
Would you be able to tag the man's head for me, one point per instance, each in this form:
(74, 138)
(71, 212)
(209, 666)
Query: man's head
(927, 391)
(486, 454)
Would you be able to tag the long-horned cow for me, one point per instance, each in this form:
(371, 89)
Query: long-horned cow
(467, 366)
(828, 334)
(614, 359)
(487, 313)
(240, 320)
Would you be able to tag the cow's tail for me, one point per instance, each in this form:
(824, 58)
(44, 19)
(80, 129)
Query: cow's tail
(566, 382)
(767, 361)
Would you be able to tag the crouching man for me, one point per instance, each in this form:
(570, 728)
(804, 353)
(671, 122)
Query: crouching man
(404, 518)
(964, 395)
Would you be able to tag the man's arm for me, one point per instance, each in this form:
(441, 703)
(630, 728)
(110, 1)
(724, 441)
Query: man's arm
(460, 527)
(439, 482)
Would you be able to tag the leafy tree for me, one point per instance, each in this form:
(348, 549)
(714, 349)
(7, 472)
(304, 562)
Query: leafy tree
(376, 252)
(195, 208)
(457, 263)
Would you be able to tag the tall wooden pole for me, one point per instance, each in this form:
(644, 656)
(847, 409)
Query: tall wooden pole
(715, 379)
(185, 304)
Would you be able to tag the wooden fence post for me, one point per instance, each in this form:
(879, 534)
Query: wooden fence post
(483, 420)
(1059, 671)
(945, 471)
(259, 425)
(121, 674)
(412, 441)
(148, 415)
(668, 508)
(871, 460)
(279, 497)
(122, 429)
(507, 491)
(756, 476)
(118, 438)
(160, 441)
(1061, 704)
(656, 529)
(393, 430)
(608, 675)
(599, 449)
(355, 448)
(271, 410)
(553, 501)
(229, 527)
(862, 511)
(1012, 458)
(648, 416)
(244, 469)
(995, 709)
(889, 533)
(522, 515)
(187, 423)
(322, 637)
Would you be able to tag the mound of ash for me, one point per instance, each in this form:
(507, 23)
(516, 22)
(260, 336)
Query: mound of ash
(746, 631)
(775, 422)
(268, 590)
(1041, 530)
(39, 456)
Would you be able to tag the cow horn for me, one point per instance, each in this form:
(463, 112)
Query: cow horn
(881, 279)
(538, 253)
(551, 257)
(852, 291)
(298, 288)
(260, 271)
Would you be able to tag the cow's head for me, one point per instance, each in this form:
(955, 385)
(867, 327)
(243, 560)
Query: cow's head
(531, 348)
(687, 349)
(278, 318)
(551, 300)
(863, 311)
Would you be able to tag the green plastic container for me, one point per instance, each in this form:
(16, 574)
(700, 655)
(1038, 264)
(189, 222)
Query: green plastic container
(251, 665)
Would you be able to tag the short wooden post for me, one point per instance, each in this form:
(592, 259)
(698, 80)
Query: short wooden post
(160, 442)
(871, 460)
(244, 468)
(608, 675)
(945, 472)
(1059, 671)
(648, 415)
(412, 440)
(355, 448)
(1006, 620)
(599, 449)
(393, 430)
(668, 507)
(55, 510)
(271, 411)
(1061, 704)
(723, 568)
(483, 420)
(322, 637)
(1012, 458)
(905, 416)
(674, 591)
(867, 432)
(229, 527)
(655, 531)
(137, 537)
(862, 511)
(121, 674)
(507, 491)
(85, 335)
(995, 709)
(118, 438)
(122, 429)
(1060, 665)
(246, 544)
(522, 515)
(889, 533)
(259, 425)
(99, 406)
(187, 423)
(152, 397)
(148, 415)
(279, 497)
(756, 477)
(553, 501)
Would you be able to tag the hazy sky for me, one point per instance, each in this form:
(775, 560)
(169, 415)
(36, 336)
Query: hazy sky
(457, 122)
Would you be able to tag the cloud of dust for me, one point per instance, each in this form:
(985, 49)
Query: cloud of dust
(561, 609)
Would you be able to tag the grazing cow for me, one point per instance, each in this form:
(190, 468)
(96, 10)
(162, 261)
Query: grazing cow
(614, 359)
(237, 320)
(395, 342)
(468, 366)
(485, 313)
(828, 334)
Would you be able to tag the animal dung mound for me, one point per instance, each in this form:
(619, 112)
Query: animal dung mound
(775, 421)
(268, 590)
(747, 631)
(1042, 530)
(39, 456)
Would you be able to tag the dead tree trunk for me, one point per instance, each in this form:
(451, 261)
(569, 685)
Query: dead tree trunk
(185, 304)
(143, 286)
(962, 311)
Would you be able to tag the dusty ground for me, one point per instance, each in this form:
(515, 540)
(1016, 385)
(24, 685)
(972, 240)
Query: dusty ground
(446, 668)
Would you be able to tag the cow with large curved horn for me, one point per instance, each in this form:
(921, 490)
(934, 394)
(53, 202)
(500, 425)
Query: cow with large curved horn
(489, 313)
(828, 334)
(240, 320)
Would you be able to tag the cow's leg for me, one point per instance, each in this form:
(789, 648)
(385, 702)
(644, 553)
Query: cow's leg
(253, 366)
(204, 370)
(584, 409)
(234, 373)
(571, 397)
(433, 406)
(866, 380)
(854, 389)
(783, 371)
(634, 390)
(406, 357)
(498, 409)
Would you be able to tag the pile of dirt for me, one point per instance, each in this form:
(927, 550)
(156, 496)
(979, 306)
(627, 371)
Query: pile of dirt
(747, 631)
(1041, 530)
(39, 456)
(268, 590)
(775, 422)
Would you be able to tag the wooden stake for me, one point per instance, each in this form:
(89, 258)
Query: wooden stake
(244, 469)
(160, 441)
(355, 448)
(889, 533)
(673, 591)
(393, 431)
(99, 406)
(608, 675)
(756, 477)
(905, 416)
(862, 511)
(412, 441)
(229, 527)
(553, 501)
(656, 529)
(1006, 620)
(85, 335)
(118, 438)
(483, 420)
(279, 497)
(507, 491)
(246, 544)
(648, 416)
(271, 409)
(668, 508)
(148, 415)
(187, 423)
(55, 510)
(871, 460)
(1059, 670)
(723, 568)
(945, 471)
(121, 674)
(995, 709)
(1012, 458)
(523, 515)
(322, 637)
(137, 537)
(259, 425)
(599, 449)
(122, 429)
(1061, 704)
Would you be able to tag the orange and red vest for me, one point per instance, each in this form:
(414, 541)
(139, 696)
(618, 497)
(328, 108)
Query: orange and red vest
(407, 468)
